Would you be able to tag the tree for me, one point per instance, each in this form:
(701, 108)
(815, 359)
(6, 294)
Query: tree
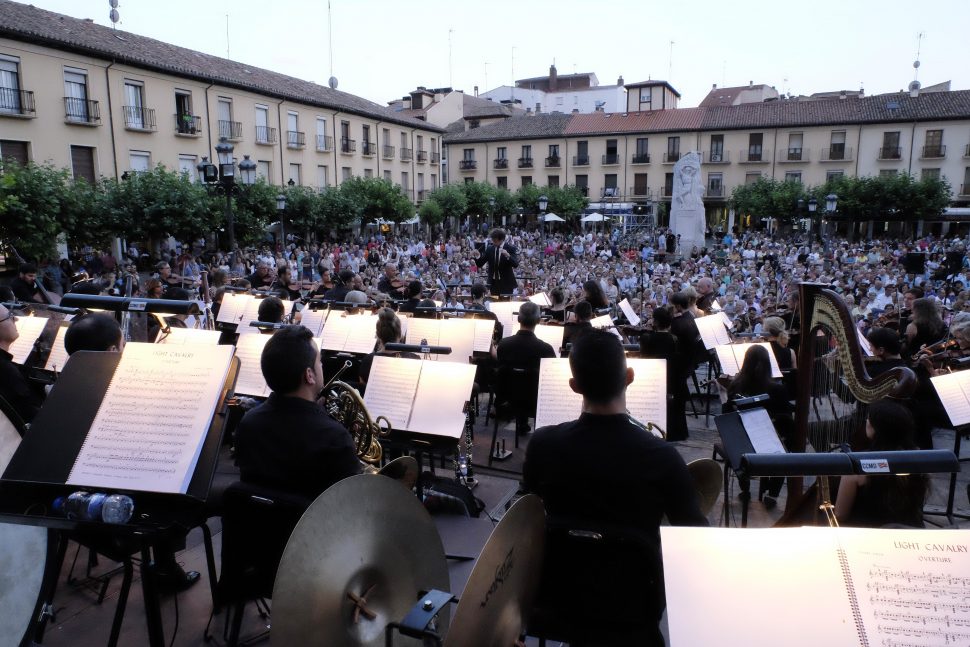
(506, 203)
(568, 201)
(452, 199)
(253, 209)
(302, 210)
(31, 201)
(336, 210)
(431, 213)
(378, 198)
(477, 195)
(528, 198)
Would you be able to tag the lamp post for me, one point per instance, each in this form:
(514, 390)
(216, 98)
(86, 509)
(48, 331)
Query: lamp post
(831, 205)
(281, 210)
(221, 180)
(491, 210)
(812, 207)
(543, 203)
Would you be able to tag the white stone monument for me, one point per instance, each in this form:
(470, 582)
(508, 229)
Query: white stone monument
(687, 204)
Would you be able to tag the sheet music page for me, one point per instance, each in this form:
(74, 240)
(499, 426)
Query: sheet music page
(505, 312)
(729, 363)
(707, 568)
(726, 319)
(628, 312)
(712, 330)
(250, 380)
(391, 387)
(232, 307)
(552, 335)
(646, 397)
(251, 311)
(951, 389)
(443, 389)
(421, 328)
(761, 432)
(604, 322)
(363, 334)
(405, 320)
(335, 331)
(912, 586)
(181, 336)
(58, 356)
(153, 421)
(459, 335)
(541, 299)
(557, 402)
(30, 329)
(741, 349)
(484, 330)
(864, 343)
(314, 320)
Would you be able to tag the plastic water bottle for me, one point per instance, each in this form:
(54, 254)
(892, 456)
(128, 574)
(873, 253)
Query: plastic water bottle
(97, 506)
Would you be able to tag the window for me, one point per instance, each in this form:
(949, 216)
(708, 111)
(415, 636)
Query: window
(501, 153)
(887, 173)
(17, 151)
(609, 182)
(404, 140)
(834, 175)
(139, 161)
(468, 154)
(934, 144)
(405, 181)
(469, 180)
(717, 148)
(346, 173)
(715, 185)
(322, 136)
(755, 151)
(552, 180)
(793, 176)
(295, 175)
(293, 139)
(930, 174)
(965, 189)
(794, 147)
(134, 107)
(582, 153)
(837, 145)
(434, 181)
(368, 172)
(263, 131)
(668, 185)
(420, 144)
(10, 97)
(526, 180)
(751, 178)
(323, 177)
(366, 143)
(502, 182)
(473, 124)
(263, 171)
(527, 152)
(611, 147)
(387, 175)
(227, 127)
(640, 186)
(82, 162)
(642, 154)
(76, 95)
(187, 164)
(890, 146)
(420, 187)
(185, 122)
(673, 149)
(554, 151)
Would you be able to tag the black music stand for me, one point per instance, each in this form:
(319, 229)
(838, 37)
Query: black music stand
(735, 445)
(40, 467)
(948, 512)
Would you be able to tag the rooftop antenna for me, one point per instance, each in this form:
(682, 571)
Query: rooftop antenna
(113, 14)
(332, 82)
(670, 63)
(486, 75)
(919, 44)
(227, 36)
(724, 73)
(513, 75)
(451, 80)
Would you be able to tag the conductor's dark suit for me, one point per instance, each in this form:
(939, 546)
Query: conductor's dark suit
(501, 277)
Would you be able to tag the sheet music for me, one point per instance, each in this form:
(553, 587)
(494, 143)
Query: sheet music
(604, 322)
(459, 335)
(557, 401)
(335, 331)
(58, 355)
(954, 392)
(505, 312)
(541, 299)
(761, 432)
(646, 396)
(552, 335)
(251, 311)
(391, 388)
(628, 312)
(423, 329)
(731, 357)
(725, 356)
(442, 390)
(152, 423)
(727, 320)
(250, 380)
(314, 320)
(484, 331)
(181, 336)
(232, 307)
(864, 343)
(362, 336)
(29, 329)
(712, 331)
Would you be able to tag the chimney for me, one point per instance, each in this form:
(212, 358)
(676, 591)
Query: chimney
(750, 84)
(575, 111)
(714, 86)
(528, 111)
(553, 78)
(538, 107)
(476, 90)
(842, 94)
(619, 81)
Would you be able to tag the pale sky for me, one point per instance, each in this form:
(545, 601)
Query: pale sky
(384, 48)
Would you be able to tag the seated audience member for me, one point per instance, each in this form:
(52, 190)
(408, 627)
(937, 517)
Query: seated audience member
(289, 442)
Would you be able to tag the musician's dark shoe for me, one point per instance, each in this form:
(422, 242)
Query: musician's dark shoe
(174, 579)
(769, 501)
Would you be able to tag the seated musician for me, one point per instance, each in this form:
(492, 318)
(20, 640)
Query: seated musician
(14, 387)
(391, 284)
(414, 297)
(926, 327)
(477, 303)
(344, 285)
(24, 285)
(573, 466)
(164, 274)
(705, 295)
(753, 379)
(573, 330)
(557, 309)
(660, 343)
(885, 348)
(101, 333)
(872, 501)
(388, 332)
(261, 278)
(285, 284)
(523, 350)
(777, 336)
(271, 310)
(325, 285)
(289, 442)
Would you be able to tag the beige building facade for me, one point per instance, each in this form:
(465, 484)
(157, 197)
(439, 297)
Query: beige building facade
(80, 98)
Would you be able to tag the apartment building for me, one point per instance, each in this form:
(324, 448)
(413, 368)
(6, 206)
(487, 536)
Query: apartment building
(103, 102)
(629, 157)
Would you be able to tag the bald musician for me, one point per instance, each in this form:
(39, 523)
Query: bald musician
(288, 442)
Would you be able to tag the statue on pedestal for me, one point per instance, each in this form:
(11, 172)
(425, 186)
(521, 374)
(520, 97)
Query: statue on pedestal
(687, 217)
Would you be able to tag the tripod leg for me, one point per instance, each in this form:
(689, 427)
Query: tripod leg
(49, 587)
(122, 603)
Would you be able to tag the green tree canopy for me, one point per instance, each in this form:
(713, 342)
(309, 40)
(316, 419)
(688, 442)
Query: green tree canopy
(32, 200)
(452, 199)
(378, 198)
(431, 213)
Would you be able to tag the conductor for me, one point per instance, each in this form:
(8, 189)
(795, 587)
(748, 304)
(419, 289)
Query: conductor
(502, 258)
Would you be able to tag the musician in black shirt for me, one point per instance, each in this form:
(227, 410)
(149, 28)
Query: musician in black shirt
(24, 286)
(14, 387)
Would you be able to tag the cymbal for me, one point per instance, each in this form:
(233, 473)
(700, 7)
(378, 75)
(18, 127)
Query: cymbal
(708, 480)
(403, 469)
(498, 597)
(357, 561)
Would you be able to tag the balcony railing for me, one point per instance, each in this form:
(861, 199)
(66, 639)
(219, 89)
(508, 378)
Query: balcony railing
(388, 152)
(421, 194)
(552, 162)
(965, 189)
(792, 155)
(467, 165)
(435, 158)
(265, 135)
(138, 118)
(348, 145)
(641, 191)
(525, 162)
(231, 130)
(407, 153)
(717, 157)
(188, 125)
(501, 162)
(611, 158)
(836, 153)
(671, 158)
(890, 153)
(753, 156)
(422, 156)
(16, 102)
(667, 192)
(715, 191)
(81, 111)
(641, 158)
(295, 139)
(610, 192)
(580, 160)
(933, 152)
(324, 143)
(368, 148)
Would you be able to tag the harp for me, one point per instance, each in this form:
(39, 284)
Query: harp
(833, 389)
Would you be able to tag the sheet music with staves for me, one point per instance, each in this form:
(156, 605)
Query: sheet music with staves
(314, 320)
(712, 330)
(505, 312)
(58, 355)
(251, 311)
(439, 402)
(181, 336)
(151, 425)
(731, 357)
(422, 328)
(484, 332)
(628, 312)
(552, 335)
(232, 307)
(29, 329)
(954, 392)
(250, 380)
(541, 299)
(604, 322)
(391, 387)
(761, 432)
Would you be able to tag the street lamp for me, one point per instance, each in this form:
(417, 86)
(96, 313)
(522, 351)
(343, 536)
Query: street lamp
(543, 203)
(221, 180)
(491, 209)
(281, 209)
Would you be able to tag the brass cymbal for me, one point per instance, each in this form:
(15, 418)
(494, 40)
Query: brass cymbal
(498, 597)
(357, 561)
(708, 480)
(403, 469)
